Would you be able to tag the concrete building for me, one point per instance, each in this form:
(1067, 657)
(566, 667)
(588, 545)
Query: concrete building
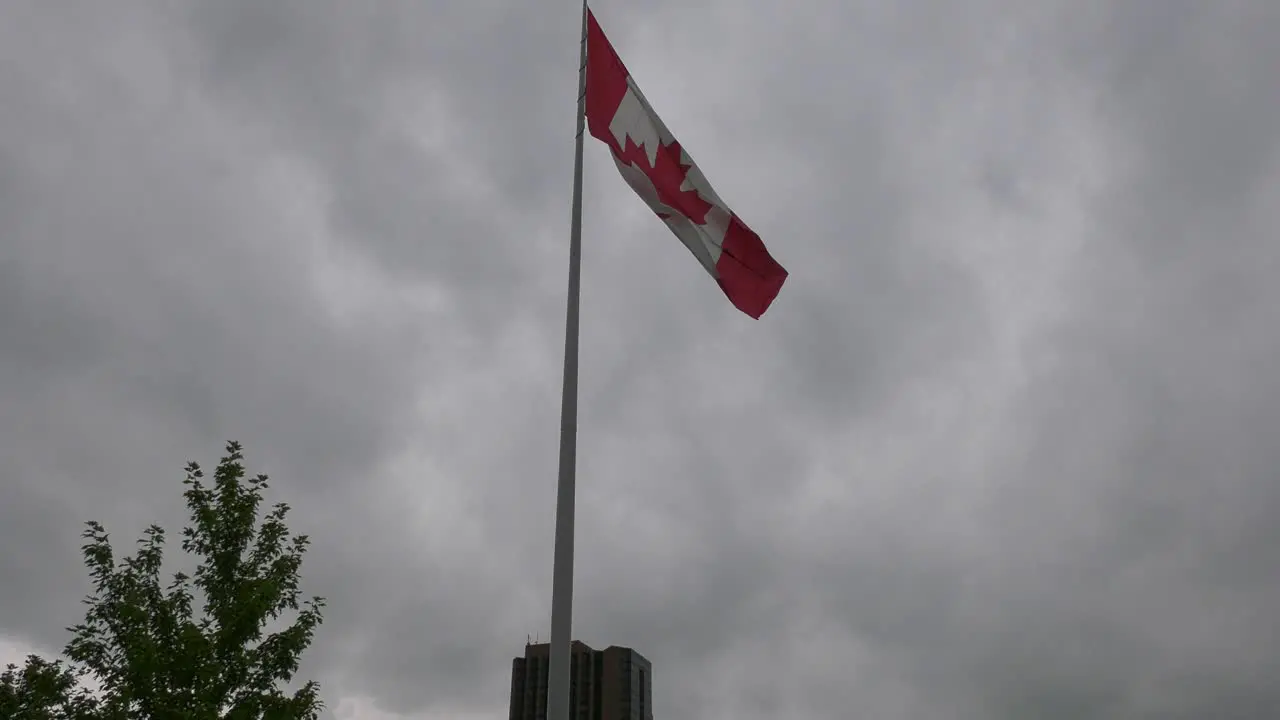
(610, 684)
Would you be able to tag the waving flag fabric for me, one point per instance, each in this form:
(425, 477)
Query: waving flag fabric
(666, 178)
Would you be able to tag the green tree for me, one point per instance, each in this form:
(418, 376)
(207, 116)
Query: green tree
(44, 690)
(151, 656)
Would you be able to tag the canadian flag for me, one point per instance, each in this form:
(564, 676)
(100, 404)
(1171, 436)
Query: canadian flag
(666, 178)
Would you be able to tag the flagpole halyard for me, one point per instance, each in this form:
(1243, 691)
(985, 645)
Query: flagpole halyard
(558, 700)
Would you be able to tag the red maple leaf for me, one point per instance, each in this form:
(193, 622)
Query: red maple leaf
(667, 174)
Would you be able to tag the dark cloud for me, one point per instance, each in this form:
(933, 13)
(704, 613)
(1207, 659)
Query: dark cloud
(1002, 448)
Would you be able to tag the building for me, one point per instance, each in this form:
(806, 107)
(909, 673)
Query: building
(610, 684)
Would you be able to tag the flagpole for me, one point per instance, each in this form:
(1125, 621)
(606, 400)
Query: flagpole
(558, 700)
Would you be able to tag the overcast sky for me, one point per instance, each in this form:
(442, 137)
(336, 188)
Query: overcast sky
(1005, 446)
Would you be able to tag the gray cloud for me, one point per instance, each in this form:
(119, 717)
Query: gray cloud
(1002, 448)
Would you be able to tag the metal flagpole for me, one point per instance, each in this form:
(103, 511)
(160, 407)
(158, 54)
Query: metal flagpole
(558, 700)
